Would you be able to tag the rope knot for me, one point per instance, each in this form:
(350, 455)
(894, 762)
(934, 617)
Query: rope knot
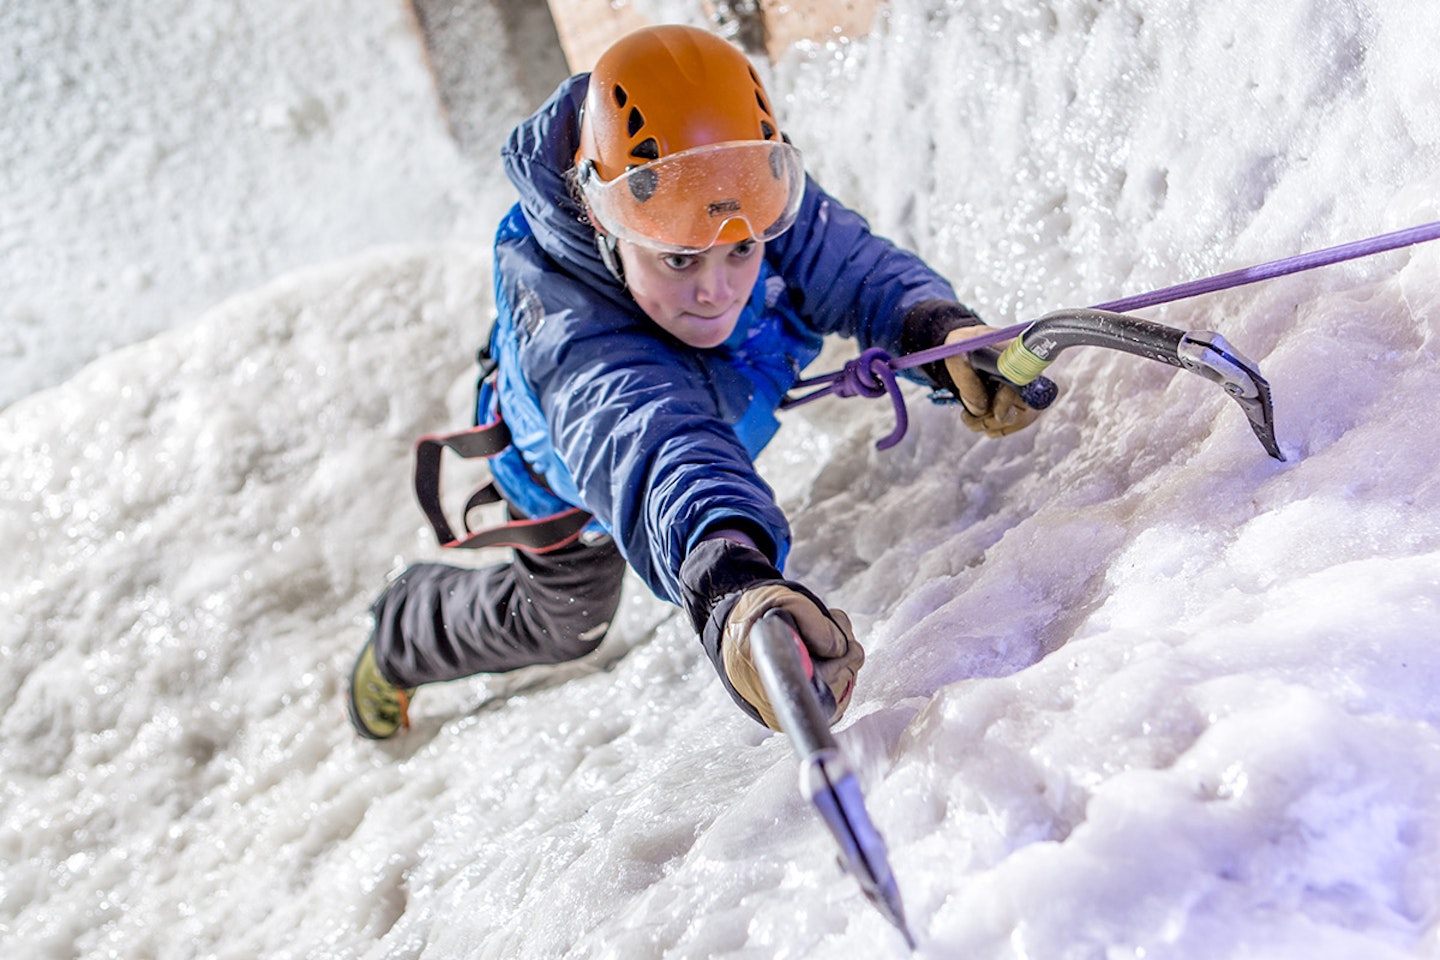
(868, 375)
(871, 375)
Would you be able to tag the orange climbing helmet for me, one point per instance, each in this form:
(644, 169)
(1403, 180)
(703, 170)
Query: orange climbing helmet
(679, 149)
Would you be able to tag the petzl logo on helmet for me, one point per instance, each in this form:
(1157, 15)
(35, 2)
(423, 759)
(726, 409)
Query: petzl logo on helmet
(722, 208)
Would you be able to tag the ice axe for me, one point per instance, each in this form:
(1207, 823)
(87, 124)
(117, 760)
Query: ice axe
(1034, 345)
(1202, 352)
(826, 778)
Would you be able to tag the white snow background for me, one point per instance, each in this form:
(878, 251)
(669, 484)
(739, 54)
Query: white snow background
(1134, 688)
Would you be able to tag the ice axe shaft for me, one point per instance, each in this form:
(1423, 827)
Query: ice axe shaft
(826, 779)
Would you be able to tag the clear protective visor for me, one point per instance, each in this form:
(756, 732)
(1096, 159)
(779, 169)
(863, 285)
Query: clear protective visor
(692, 200)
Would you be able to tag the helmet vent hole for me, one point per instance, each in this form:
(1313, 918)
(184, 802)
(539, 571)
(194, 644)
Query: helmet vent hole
(760, 99)
(635, 121)
(621, 97)
(767, 131)
(646, 149)
(643, 182)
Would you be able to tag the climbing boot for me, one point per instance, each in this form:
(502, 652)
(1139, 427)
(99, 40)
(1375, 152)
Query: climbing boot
(378, 708)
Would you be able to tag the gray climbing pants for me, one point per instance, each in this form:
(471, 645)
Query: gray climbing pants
(439, 622)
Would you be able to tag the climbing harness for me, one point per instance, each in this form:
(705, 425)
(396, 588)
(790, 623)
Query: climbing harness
(535, 535)
(540, 535)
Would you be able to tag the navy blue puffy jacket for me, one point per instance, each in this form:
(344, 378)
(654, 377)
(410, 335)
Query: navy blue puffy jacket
(655, 438)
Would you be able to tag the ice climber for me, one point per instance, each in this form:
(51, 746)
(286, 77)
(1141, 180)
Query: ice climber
(669, 270)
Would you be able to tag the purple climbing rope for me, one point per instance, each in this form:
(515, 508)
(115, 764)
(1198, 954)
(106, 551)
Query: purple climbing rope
(1278, 268)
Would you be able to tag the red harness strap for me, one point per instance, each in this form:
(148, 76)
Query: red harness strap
(540, 535)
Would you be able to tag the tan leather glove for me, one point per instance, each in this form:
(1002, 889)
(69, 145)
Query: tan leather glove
(827, 634)
(997, 414)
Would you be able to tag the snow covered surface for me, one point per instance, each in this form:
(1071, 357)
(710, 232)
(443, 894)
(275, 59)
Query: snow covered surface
(1134, 688)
